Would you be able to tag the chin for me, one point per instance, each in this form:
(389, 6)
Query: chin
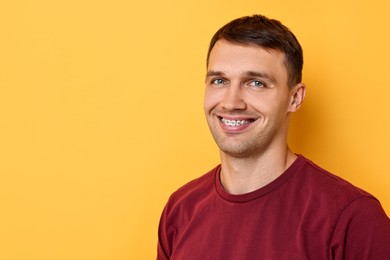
(238, 151)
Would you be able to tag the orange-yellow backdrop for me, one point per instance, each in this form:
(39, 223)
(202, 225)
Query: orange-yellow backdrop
(101, 112)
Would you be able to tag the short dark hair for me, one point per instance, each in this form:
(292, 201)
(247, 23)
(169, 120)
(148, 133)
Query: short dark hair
(267, 33)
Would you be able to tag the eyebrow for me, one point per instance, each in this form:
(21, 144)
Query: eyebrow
(212, 73)
(256, 74)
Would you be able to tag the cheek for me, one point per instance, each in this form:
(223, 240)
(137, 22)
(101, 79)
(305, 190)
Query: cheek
(268, 104)
(211, 99)
(279, 108)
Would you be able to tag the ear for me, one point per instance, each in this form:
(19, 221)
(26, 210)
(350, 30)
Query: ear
(298, 93)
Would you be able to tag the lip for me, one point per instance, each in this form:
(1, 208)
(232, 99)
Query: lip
(240, 127)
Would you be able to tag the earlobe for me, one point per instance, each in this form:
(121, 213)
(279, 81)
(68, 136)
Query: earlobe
(298, 95)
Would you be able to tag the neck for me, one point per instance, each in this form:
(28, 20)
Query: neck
(243, 175)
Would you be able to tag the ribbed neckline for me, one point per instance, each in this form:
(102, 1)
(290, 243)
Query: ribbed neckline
(242, 198)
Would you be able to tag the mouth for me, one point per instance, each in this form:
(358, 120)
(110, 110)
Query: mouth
(232, 122)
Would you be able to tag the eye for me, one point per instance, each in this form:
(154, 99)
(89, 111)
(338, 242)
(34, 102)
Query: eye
(257, 83)
(218, 81)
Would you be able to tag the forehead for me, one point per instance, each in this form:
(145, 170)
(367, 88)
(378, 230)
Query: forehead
(230, 57)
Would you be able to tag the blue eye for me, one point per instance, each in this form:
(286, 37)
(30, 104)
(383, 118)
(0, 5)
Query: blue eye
(218, 81)
(257, 83)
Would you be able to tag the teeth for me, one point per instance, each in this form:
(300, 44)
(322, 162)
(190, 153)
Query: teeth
(235, 122)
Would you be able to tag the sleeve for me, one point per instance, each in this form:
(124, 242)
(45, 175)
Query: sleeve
(362, 231)
(163, 247)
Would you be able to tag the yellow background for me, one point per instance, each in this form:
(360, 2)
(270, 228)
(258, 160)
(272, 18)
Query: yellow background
(101, 112)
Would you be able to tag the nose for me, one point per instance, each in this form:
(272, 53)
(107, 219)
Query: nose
(233, 98)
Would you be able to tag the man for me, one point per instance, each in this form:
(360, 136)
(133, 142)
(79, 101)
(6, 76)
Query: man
(264, 201)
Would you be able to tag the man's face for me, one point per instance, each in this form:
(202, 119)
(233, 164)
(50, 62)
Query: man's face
(247, 98)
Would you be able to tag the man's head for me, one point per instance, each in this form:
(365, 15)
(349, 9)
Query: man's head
(253, 84)
(267, 33)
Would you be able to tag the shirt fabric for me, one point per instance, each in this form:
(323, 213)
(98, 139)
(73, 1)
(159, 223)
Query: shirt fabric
(306, 213)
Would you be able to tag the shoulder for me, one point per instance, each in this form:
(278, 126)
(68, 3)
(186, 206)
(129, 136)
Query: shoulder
(362, 231)
(321, 182)
(358, 227)
(348, 200)
(181, 208)
(329, 197)
(193, 190)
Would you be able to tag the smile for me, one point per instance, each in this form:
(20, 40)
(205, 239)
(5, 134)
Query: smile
(230, 122)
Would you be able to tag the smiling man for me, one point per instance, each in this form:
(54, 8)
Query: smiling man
(264, 201)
